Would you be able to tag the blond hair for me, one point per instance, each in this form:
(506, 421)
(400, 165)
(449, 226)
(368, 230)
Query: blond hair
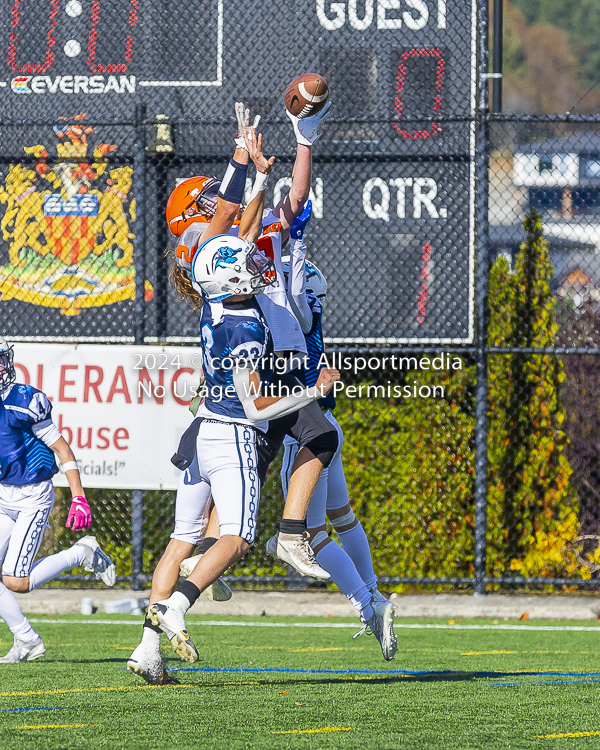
(182, 284)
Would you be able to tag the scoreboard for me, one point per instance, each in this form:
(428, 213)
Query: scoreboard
(88, 49)
(417, 55)
(394, 170)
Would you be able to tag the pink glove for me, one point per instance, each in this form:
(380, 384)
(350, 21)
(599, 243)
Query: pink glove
(80, 514)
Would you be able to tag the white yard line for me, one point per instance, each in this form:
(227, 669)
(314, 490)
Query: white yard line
(397, 625)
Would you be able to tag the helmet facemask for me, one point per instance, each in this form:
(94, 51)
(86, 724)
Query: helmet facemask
(8, 373)
(262, 267)
(205, 202)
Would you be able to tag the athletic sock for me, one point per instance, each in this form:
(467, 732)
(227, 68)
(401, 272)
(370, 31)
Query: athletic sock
(356, 544)
(151, 633)
(13, 616)
(343, 573)
(184, 597)
(205, 545)
(48, 568)
(292, 526)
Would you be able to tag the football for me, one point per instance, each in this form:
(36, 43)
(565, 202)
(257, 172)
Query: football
(306, 95)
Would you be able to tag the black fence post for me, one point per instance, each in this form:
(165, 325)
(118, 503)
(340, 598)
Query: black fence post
(163, 236)
(481, 295)
(139, 176)
(139, 252)
(497, 60)
(137, 539)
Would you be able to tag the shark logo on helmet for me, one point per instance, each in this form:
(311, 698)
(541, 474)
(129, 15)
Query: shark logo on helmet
(226, 256)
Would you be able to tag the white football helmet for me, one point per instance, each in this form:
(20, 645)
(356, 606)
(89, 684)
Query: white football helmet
(8, 373)
(226, 265)
(316, 283)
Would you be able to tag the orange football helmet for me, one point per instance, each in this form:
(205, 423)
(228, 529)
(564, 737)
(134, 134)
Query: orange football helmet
(194, 199)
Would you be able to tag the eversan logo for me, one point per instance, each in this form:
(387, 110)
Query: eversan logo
(73, 84)
(19, 85)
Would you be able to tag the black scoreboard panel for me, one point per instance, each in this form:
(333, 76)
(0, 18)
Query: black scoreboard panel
(393, 240)
(393, 67)
(402, 58)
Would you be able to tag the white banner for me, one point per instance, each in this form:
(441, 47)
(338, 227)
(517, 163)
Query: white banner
(121, 408)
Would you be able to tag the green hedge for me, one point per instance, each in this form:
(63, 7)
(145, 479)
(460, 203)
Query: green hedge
(409, 462)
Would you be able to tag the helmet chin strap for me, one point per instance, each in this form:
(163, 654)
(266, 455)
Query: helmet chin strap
(6, 383)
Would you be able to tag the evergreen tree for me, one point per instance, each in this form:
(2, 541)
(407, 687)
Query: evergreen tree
(529, 487)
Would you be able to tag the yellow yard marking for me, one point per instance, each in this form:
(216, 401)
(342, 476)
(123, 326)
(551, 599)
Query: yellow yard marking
(122, 688)
(92, 690)
(314, 731)
(311, 649)
(56, 726)
(571, 734)
(299, 650)
(486, 653)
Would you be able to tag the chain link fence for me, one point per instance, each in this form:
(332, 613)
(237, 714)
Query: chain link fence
(471, 341)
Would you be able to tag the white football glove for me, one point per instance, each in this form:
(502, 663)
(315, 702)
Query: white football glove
(307, 128)
(243, 119)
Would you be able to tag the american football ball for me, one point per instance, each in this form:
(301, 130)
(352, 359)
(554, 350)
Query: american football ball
(306, 95)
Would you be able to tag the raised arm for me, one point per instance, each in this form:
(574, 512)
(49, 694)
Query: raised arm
(233, 184)
(307, 133)
(251, 223)
(296, 289)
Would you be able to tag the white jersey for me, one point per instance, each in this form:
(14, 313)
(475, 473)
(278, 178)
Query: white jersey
(283, 324)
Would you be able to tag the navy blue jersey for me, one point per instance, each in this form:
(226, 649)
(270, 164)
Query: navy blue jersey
(315, 348)
(24, 458)
(233, 332)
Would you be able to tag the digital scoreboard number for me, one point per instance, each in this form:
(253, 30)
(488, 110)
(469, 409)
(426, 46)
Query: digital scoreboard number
(394, 170)
(81, 48)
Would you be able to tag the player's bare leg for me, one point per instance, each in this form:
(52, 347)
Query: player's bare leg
(146, 660)
(168, 614)
(306, 471)
(212, 530)
(291, 544)
(166, 574)
(218, 591)
(222, 555)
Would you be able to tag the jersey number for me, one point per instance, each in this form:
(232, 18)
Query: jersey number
(265, 245)
(207, 342)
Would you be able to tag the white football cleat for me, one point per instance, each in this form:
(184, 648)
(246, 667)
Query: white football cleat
(381, 625)
(295, 550)
(218, 591)
(147, 663)
(172, 624)
(97, 562)
(186, 567)
(24, 651)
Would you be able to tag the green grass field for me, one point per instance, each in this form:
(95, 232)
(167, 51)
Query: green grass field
(308, 687)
